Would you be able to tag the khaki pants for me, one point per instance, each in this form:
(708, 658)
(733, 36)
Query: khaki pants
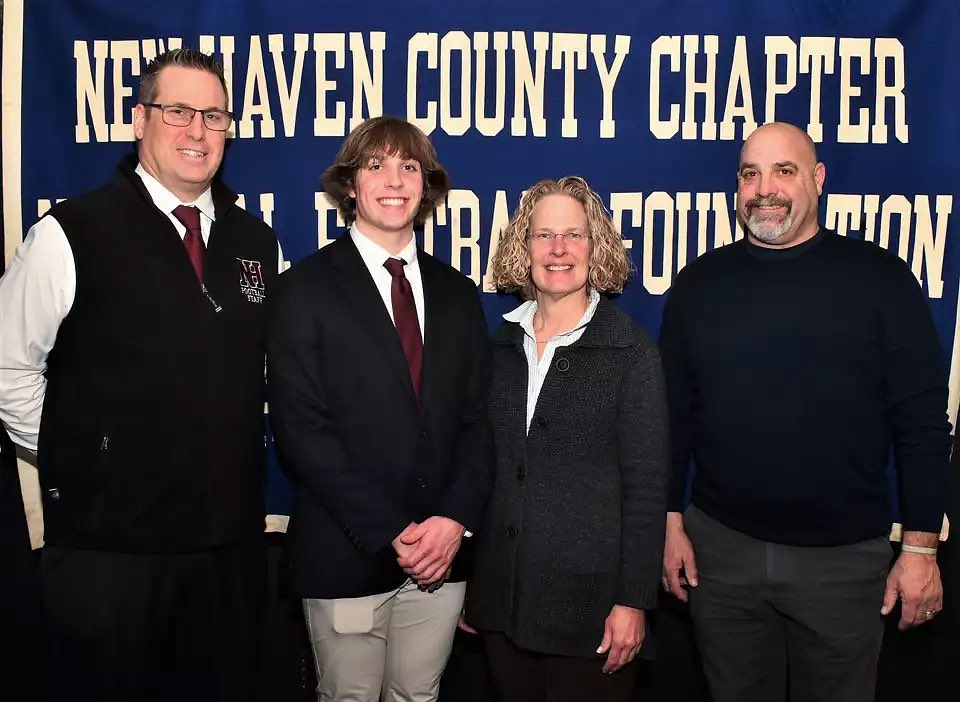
(392, 646)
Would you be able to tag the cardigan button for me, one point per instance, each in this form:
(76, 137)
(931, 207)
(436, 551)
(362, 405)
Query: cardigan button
(563, 365)
(541, 421)
(512, 532)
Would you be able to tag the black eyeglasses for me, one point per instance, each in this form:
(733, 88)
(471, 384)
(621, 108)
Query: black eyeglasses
(182, 116)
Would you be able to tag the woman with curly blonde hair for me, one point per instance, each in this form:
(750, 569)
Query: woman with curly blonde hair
(609, 265)
(569, 556)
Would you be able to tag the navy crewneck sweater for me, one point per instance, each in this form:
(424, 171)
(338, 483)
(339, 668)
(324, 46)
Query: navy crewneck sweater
(791, 376)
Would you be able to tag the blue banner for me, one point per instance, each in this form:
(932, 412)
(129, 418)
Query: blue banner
(650, 102)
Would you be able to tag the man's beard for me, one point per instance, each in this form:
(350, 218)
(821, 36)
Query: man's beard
(764, 228)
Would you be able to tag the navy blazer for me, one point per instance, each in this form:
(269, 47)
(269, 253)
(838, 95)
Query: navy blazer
(365, 456)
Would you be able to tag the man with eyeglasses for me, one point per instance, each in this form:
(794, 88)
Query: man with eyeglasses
(132, 362)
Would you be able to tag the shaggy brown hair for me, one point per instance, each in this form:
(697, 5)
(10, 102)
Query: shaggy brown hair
(382, 137)
(610, 266)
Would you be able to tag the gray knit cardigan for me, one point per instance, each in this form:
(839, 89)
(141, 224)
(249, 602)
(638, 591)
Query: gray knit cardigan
(576, 521)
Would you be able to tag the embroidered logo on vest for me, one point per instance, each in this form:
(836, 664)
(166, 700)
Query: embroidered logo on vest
(251, 280)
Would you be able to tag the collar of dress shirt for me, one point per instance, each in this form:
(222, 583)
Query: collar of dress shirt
(167, 201)
(523, 315)
(374, 255)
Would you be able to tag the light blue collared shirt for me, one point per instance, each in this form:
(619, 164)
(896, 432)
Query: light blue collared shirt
(537, 367)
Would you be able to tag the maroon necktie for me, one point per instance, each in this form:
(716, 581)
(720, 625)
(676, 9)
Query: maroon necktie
(189, 217)
(405, 319)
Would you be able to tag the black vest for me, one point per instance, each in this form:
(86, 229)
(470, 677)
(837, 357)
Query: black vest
(152, 433)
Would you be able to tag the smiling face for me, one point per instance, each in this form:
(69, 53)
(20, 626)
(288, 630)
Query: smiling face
(779, 183)
(559, 267)
(387, 190)
(183, 159)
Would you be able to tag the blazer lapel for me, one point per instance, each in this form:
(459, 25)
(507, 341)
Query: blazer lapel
(439, 326)
(361, 294)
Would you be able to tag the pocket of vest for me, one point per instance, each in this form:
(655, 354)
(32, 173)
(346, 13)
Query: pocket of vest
(103, 451)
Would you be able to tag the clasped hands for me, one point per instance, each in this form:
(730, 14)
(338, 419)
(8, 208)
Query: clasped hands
(426, 550)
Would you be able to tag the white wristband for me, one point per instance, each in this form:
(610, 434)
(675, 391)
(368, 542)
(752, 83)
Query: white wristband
(919, 549)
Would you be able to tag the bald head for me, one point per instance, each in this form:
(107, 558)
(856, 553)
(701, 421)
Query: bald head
(779, 186)
(786, 132)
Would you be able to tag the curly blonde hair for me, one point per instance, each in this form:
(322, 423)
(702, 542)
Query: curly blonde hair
(610, 266)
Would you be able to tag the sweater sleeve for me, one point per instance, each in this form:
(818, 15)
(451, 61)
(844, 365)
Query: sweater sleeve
(916, 401)
(678, 394)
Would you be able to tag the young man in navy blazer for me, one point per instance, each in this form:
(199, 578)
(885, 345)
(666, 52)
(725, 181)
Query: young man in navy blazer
(378, 371)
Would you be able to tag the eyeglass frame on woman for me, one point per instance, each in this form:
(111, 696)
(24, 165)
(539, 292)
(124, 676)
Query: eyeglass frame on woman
(192, 111)
(546, 236)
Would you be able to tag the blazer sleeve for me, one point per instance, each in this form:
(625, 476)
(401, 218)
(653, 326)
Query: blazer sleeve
(305, 435)
(642, 444)
(466, 498)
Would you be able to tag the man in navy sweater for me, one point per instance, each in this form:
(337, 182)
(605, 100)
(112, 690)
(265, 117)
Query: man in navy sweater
(796, 361)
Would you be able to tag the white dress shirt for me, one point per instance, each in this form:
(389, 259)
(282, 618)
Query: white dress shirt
(37, 293)
(537, 367)
(374, 256)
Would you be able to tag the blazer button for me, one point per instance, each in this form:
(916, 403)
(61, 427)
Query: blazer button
(512, 532)
(563, 365)
(521, 472)
(423, 434)
(541, 421)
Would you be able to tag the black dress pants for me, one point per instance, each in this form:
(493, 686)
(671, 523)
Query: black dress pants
(769, 616)
(22, 629)
(143, 627)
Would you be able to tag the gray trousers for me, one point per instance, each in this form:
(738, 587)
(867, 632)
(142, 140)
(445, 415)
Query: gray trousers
(770, 616)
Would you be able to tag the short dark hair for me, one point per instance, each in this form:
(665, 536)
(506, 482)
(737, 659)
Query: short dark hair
(185, 58)
(385, 136)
